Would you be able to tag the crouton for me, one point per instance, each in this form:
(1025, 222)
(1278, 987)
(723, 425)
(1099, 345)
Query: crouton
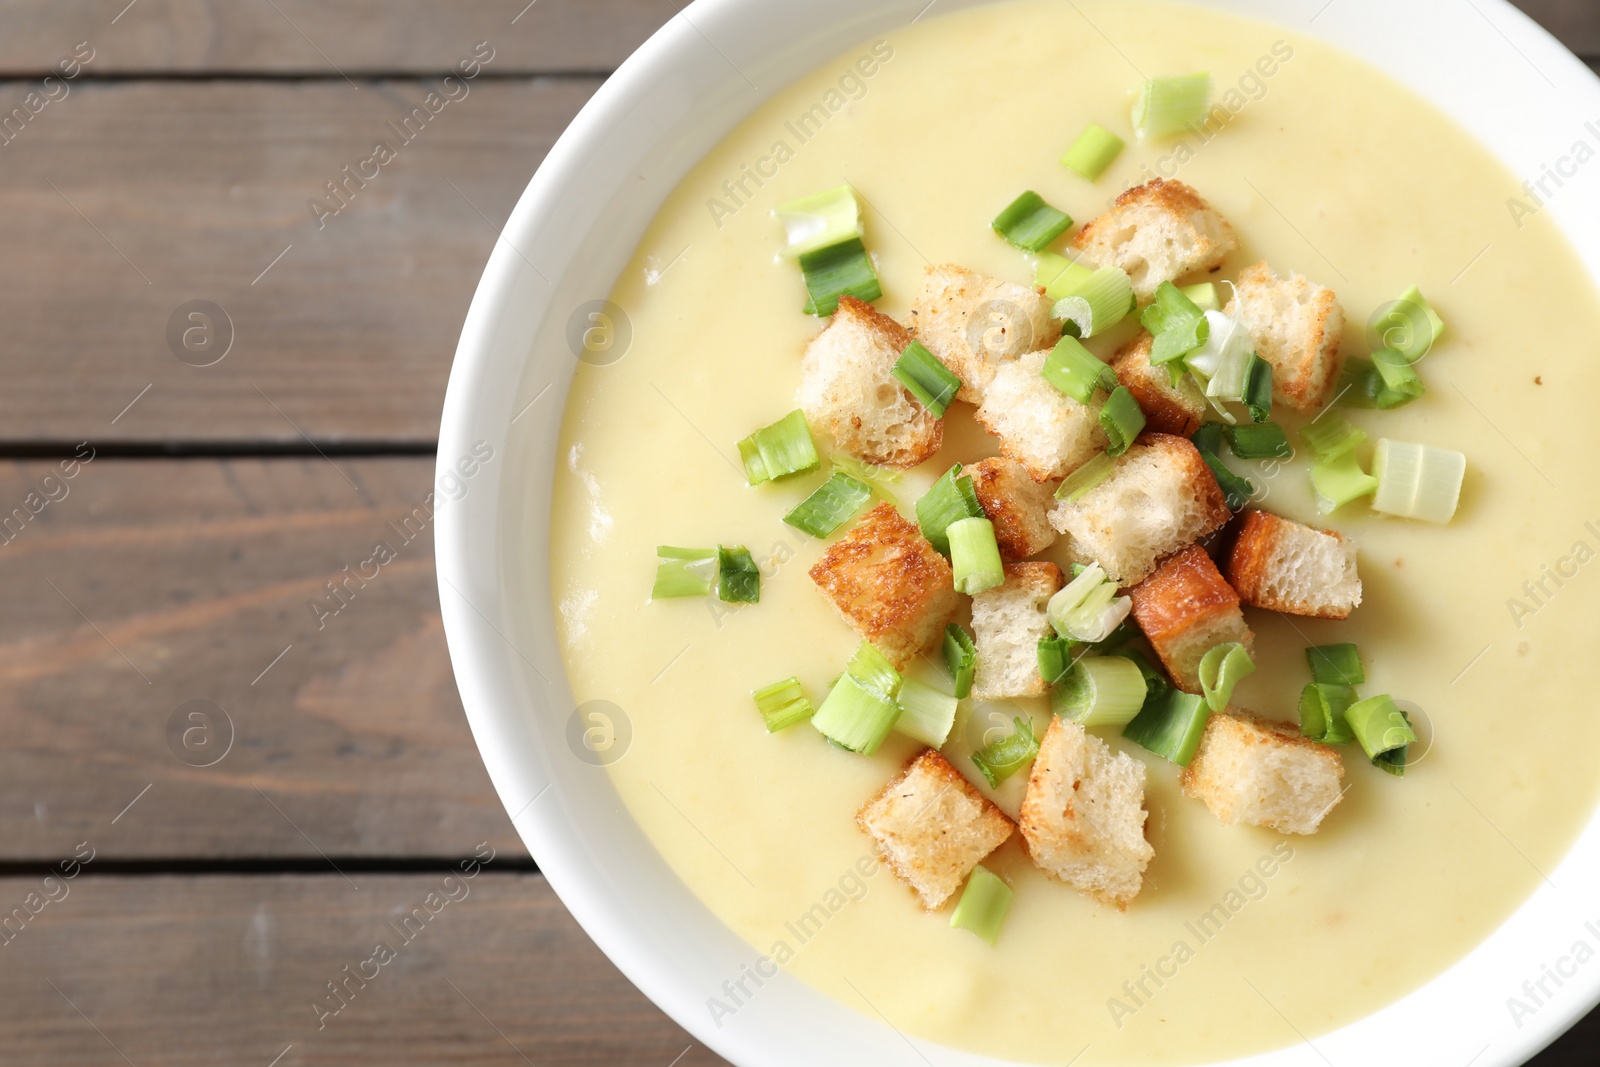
(1186, 609)
(1262, 773)
(849, 392)
(1296, 327)
(1046, 432)
(1161, 497)
(889, 584)
(1157, 232)
(1083, 815)
(974, 324)
(1007, 622)
(1018, 506)
(1175, 409)
(932, 827)
(1284, 566)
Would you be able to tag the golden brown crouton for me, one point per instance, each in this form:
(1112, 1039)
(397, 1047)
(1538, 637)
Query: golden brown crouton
(1175, 409)
(1284, 566)
(1007, 623)
(1263, 773)
(889, 583)
(974, 324)
(1046, 432)
(1186, 609)
(1018, 506)
(1296, 327)
(932, 827)
(1157, 232)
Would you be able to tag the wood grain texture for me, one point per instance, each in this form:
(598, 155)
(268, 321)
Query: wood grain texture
(151, 583)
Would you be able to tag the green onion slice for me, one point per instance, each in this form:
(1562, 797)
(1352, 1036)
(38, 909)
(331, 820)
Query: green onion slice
(1410, 326)
(843, 269)
(873, 669)
(975, 556)
(1087, 609)
(1380, 726)
(1155, 683)
(961, 656)
(1086, 477)
(1098, 303)
(738, 580)
(779, 450)
(1204, 296)
(1417, 481)
(684, 572)
(1394, 760)
(983, 904)
(1265, 441)
(1029, 223)
(1322, 708)
(855, 716)
(1236, 489)
(870, 473)
(1401, 383)
(1077, 372)
(783, 704)
(1208, 438)
(929, 380)
(1005, 756)
(1122, 420)
(820, 220)
(1331, 436)
(1336, 664)
(1172, 105)
(1060, 276)
(926, 714)
(1360, 384)
(830, 506)
(1095, 149)
(1100, 691)
(1339, 481)
(1176, 323)
(1171, 727)
(1221, 668)
(949, 500)
(1126, 631)
(1257, 394)
(1055, 658)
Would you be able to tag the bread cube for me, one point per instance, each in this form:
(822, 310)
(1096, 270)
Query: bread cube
(1296, 327)
(849, 392)
(1160, 498)
(1175, 409)
(1186, 609)
(1007, 623)
(1157, 232)
(975, 324)
(1047, 433)
(1018, 506)
(1299, 570)
(1263, 773)
(931, 826)
(1083, 815)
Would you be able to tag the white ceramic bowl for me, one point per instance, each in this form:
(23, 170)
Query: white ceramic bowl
(1482, 61)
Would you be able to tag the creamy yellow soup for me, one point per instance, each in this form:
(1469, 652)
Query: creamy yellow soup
(1241, 937)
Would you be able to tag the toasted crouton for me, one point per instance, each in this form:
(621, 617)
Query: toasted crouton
(1049, 434)
(1284, 566)
(1018, 506)
(1186, 609)
(1262, 773)
(1083, 815)
(1296, 327)
(1157, 232)
(848, 389)
(889, 583)
(932, 827)
(1175, 409)
(974, 324)
(1007, 623)
(1160, 497)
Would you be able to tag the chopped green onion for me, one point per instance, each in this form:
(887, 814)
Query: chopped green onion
(830, 506)
(684, 572)
(1098, 303)
(1055, 658)
(1100, 691)
(926, 714)
(1208, 438)
(855, 716)
(1331, 435)
(1126, 631)
(738, 579)
(1360, 384)
(1339, 481)
(1171, 727)
(1171, 105)
(1221, 669)
(1410, 326)
(1380, 726)
(1401, 383)
(1086, 477)
(1176, 324)
(1088, 609)
(779, 450)
(783, 704)
(1336, 664)
(1257, 393)
(1005, 756)
(949, 500)
(961, 656)
(873, 669)
(975, 556)
(1394, 760)
(843, 269)
(1059, 275)
(1029, 223)
(929, 380)
(1204, 296)
(983, 904)
(1155, 683)
(1122, 420)
(1417, 481)
(1265, 441)
(870, 473)
(1236, 489)
(1094, 150)
(1322, 708)
(820, 220)
(1077, 372)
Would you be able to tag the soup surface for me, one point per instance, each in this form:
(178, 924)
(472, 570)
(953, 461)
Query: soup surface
(1241, 937)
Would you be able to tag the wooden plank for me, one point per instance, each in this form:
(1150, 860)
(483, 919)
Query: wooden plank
(151, 583)
(126, 200)
(310, 37)
(228, 970)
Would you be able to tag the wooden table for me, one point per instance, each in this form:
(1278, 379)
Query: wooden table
(265, 789)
